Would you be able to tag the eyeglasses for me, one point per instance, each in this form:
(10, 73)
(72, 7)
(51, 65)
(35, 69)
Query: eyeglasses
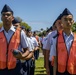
(6, 14)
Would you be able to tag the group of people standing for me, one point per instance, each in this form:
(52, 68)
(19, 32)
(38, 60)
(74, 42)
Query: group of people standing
(18, 46)
(59, 46)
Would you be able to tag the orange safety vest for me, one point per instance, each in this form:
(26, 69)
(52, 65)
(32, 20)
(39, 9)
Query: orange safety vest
(66, 61)
(37, 38)
(7, 60)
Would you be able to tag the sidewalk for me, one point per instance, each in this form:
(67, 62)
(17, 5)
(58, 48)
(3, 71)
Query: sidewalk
(41, 55)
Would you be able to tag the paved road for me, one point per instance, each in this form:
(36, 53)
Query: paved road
(41, 55)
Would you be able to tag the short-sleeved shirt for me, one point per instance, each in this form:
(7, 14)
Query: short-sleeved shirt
(34, 41)
(31, 46)
(44, 42)
(68, 41)
(23, 40)
(49, 38)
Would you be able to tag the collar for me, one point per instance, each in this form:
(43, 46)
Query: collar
(69, 35)
(11, 29)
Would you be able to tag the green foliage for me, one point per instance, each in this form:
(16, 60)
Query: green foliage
(40, 62)
(26, 25)
(43, 33)
(1, 24)
(39, 67)
(74, 27)
(23, 23)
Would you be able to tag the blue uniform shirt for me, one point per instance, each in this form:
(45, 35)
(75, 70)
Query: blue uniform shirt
(23, 40)
(68, 41)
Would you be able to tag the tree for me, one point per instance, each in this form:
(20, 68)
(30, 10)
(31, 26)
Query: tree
(26, 25)
(74, 27)
(1, 24)
(23, 23)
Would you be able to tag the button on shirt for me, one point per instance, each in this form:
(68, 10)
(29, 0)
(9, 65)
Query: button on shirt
(68, 41)
(23, 40)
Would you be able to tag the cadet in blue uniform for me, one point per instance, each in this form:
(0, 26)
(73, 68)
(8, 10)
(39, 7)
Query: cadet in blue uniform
(66, 22)
(30, 61)
(49, 44)
(16, 22)
(8, 30)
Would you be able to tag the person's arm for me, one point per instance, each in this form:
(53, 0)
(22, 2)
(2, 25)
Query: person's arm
(53, 56)
(55, 66)
(21, 55)
(26, 52)
(47, 62)
(29, 56)
(47, 50)
(36, 44)
(36, 48)
(31, 50)
(24, 45)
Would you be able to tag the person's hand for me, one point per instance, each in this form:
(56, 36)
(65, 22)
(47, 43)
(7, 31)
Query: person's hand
(17, 54)
(33, 58)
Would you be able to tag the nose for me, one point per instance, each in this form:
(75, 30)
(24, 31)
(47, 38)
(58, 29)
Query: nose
(68, 21)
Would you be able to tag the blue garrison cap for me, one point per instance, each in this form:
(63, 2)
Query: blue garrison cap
(66, 12)
(59, 17)
(51, 28)
(16, 20)
(29, 30)
(6, 8)
(23, 27)
(54, 22)
(48, 30)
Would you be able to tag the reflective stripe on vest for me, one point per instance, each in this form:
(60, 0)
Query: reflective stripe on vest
(65, 61)
(7, 60)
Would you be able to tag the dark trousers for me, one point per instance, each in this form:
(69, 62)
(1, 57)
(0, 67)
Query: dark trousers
(24, 68)
(31, 67)
(15, 71)
(36, 54)
(51, 68)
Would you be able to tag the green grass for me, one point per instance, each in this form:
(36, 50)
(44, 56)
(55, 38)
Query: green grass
(39, 69)
(40, 62)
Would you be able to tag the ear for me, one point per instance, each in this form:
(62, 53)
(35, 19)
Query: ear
(12, 18)
(59, 21)
(73, 22)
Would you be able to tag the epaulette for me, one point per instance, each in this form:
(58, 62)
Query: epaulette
(55, 35)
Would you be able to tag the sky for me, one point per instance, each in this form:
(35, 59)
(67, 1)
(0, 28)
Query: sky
(39, 13)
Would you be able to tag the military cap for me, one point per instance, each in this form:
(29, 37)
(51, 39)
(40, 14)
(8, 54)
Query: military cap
(23, 27)
(59, 17)
(6, 8)
(66, 12)
(29, 30)
(16, 20)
